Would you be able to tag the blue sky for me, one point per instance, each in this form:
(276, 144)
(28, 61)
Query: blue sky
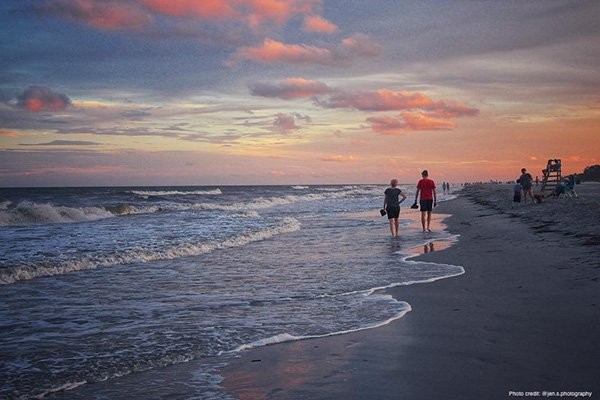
(143, 92)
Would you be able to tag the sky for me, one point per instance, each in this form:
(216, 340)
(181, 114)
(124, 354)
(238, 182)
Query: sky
(234, 92)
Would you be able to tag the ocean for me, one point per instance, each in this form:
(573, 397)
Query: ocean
(144, 292)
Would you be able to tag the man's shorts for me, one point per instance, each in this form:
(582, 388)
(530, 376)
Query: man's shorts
(393, 212)
(517, 197)
(426, 205)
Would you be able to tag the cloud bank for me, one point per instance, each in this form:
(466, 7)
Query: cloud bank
(418, 111)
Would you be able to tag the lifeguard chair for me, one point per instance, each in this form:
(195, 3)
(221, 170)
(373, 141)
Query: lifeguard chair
(552, 177)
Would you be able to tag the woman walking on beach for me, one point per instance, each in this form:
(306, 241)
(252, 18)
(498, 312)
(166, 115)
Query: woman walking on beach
(426, 188)
(391, 205)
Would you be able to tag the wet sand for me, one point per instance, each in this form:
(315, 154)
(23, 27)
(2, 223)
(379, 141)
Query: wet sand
(525, 316)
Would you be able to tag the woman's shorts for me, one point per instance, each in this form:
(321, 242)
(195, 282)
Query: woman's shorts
(393, 212)
(426, 205)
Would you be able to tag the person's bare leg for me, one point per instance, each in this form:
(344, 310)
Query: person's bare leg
(397, 225)
(428, 220)
(423, 216)
(392, 227)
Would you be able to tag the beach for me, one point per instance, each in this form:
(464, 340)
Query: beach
(522, 321)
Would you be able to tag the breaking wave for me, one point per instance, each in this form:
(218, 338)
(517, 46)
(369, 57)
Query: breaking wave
(31, 213)
(14, 274)
(28, 212)
(148, 193)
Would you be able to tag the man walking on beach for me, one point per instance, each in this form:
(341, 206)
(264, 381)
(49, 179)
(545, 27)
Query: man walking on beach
(526, 180)
(426, 188)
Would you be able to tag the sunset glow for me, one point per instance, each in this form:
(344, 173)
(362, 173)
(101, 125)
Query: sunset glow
(153, 92)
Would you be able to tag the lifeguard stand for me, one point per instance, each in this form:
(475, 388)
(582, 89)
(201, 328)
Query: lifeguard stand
(552, 177)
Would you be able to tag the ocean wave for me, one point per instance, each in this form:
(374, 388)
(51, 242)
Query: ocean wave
(299, 187)
(26, 272)
(262, 203)
(149, 193)
(4, 204)
(30, 213)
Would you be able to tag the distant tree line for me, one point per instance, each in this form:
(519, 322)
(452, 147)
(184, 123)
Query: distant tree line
(591, 173)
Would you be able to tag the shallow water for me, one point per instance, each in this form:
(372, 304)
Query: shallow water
(111, 290)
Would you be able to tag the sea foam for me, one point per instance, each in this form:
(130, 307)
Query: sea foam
(27, 213)
(404, 308)
(12, 274)
(149, 193)
(31, 213)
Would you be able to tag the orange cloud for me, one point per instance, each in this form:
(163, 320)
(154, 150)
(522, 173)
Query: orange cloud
(41, 98)
(113, 14)
(208, 9)
(11, 134)
(272, 51)
(315, 23)
(378, 100)
(291, 88)
(388, 100)
(408, 121)
(451, 109)
(259, 12)
(109, 15)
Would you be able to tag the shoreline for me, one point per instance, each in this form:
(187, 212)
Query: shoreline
(524, 317)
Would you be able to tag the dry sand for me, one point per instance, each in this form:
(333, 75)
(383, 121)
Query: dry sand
(525, 317)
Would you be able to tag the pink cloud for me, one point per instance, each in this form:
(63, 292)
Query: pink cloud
(108, 15)
(291, 88)
(285, 123)
(378, 100)
(339, 158)
(316, 23)
(272, 51)
(41, 98)
(208, 10)
(279, 12)
(451, 109)
(261, 11)
(113, 14)
(408, 121)
(388, 100)
(360, 44)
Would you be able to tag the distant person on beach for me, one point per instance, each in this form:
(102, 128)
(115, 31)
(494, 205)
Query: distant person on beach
(526, 184)
(517, 193)
(426, 188)
(391, 205)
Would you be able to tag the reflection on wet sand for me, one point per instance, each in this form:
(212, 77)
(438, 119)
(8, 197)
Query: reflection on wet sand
(428, 248)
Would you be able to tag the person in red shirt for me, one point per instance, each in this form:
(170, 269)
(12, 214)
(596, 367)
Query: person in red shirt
(426, 188)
